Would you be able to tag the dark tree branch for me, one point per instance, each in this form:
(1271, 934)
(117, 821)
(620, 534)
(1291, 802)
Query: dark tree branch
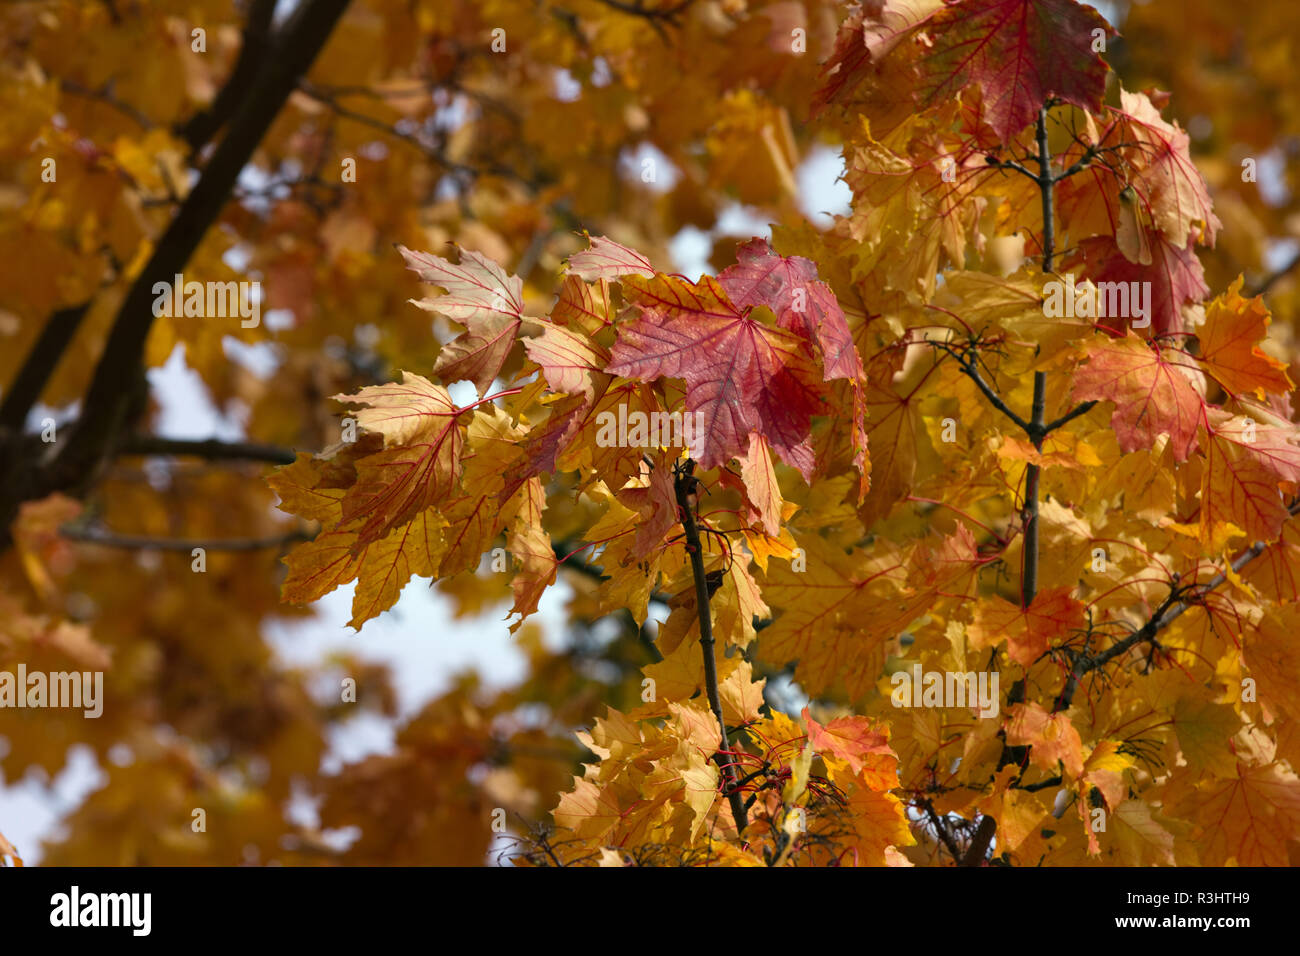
(211, 448)
(1083, 163)
(40, 364)
(293, 49)
(1037, 430)
(971, 372)
(1014, 167)
(941, 829)
(1045, 183)
(979, 844)
(1071, 415)
(1273, 277)
(202, 126)
(63, 324)
(1179, 601)
(1029, 572)
(109, 539)
(686, 488)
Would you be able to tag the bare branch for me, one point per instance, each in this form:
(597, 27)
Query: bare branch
(1045, 182)
(211, 448)
(979, 844)
(1029, 574)
(109, 539)
(40, 364)
(685, 487)
(968, 367)
(1068, 417)
(106, 404)
(202, 126)
(1273, 277)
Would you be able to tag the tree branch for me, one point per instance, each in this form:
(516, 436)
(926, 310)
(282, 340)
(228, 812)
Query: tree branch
(211, 448)
(109, 539)
(686, 488)
(294, 48)
(979, 844)
(1037, 430)
(202, 126)
(1045, 182)
(941, 829)
(1273, 277)
(1172, 608)
(40, 364)
(1071, 415)
(973, 374)
(1029, 570)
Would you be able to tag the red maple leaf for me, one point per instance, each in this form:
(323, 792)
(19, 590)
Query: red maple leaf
(801, 302)
(1175, 274)
(742, 375)
(1152, 396)
(1019, 52)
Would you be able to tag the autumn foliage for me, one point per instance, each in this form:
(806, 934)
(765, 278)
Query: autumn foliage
(1021, 416)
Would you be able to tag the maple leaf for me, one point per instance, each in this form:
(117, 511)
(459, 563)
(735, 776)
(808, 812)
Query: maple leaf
(301, 491)
(606, 259)
(760, 484)
(1019, 53)
(1170, 188)
(1269, 653)
(742, 375)
(582, 307)
(1174, 272)
(852, 739)
(531, 547)
(1152, 395)
(1229, 345)
(1140, 837)
(589, 811)
(1030, 631)
(570, 362)
(381, 568)
(1277, 571)
(1246, 819)
(484, 298)
(1051, 737)
(1246, 465)
(801, 302)
(893, 426)
(871, 32)
(877, 819)
(420, 463)
(1203, 729)
(741, 695)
